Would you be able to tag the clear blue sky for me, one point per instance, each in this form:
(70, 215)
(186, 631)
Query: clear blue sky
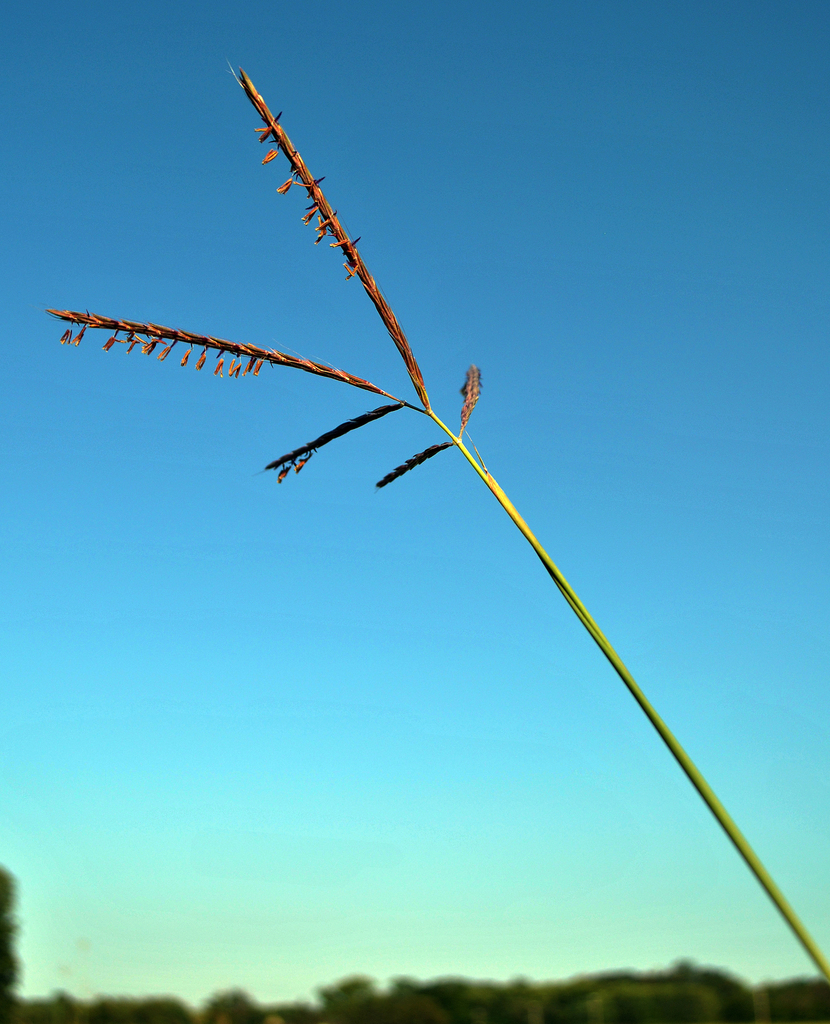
(266, 736)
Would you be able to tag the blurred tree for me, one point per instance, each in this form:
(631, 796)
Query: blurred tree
(234, 1007)
(59, 1009)
(801, 999)
(8, 960)
(347, 996)
(292, 1013)
(139, 1011)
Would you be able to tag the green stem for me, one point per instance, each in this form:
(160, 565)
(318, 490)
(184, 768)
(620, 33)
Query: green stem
(680, 755)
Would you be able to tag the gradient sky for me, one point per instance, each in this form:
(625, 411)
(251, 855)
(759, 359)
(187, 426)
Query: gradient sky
(266, 736)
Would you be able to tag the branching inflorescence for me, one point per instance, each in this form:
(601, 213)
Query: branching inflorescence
(150, 336)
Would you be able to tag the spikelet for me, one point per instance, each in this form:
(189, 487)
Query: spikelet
(165, 352)
(66, 336)
(202, 359)
(79, 335)
(148, 346)
(249, 366)
(108, 344)
(186, 356)
(219, 366)
(270, 155)
(470, 391)
(416, 460)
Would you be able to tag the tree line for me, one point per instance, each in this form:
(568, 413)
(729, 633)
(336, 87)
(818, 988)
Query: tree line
(683, 994)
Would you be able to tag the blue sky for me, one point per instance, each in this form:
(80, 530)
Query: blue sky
(266, 736)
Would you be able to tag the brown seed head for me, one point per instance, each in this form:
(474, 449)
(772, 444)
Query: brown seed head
(471, 392)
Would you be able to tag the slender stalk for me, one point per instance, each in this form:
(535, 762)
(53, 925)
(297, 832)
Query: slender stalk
(692, 772)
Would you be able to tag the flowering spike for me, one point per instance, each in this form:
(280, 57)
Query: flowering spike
(301, 455)
(302, 176)
(471, 390)
(155, 333)
(416, 460)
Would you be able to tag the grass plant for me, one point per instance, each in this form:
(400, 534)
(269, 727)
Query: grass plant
(328, 228)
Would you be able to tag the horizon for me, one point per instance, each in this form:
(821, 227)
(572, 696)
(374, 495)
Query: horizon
(381, 987)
